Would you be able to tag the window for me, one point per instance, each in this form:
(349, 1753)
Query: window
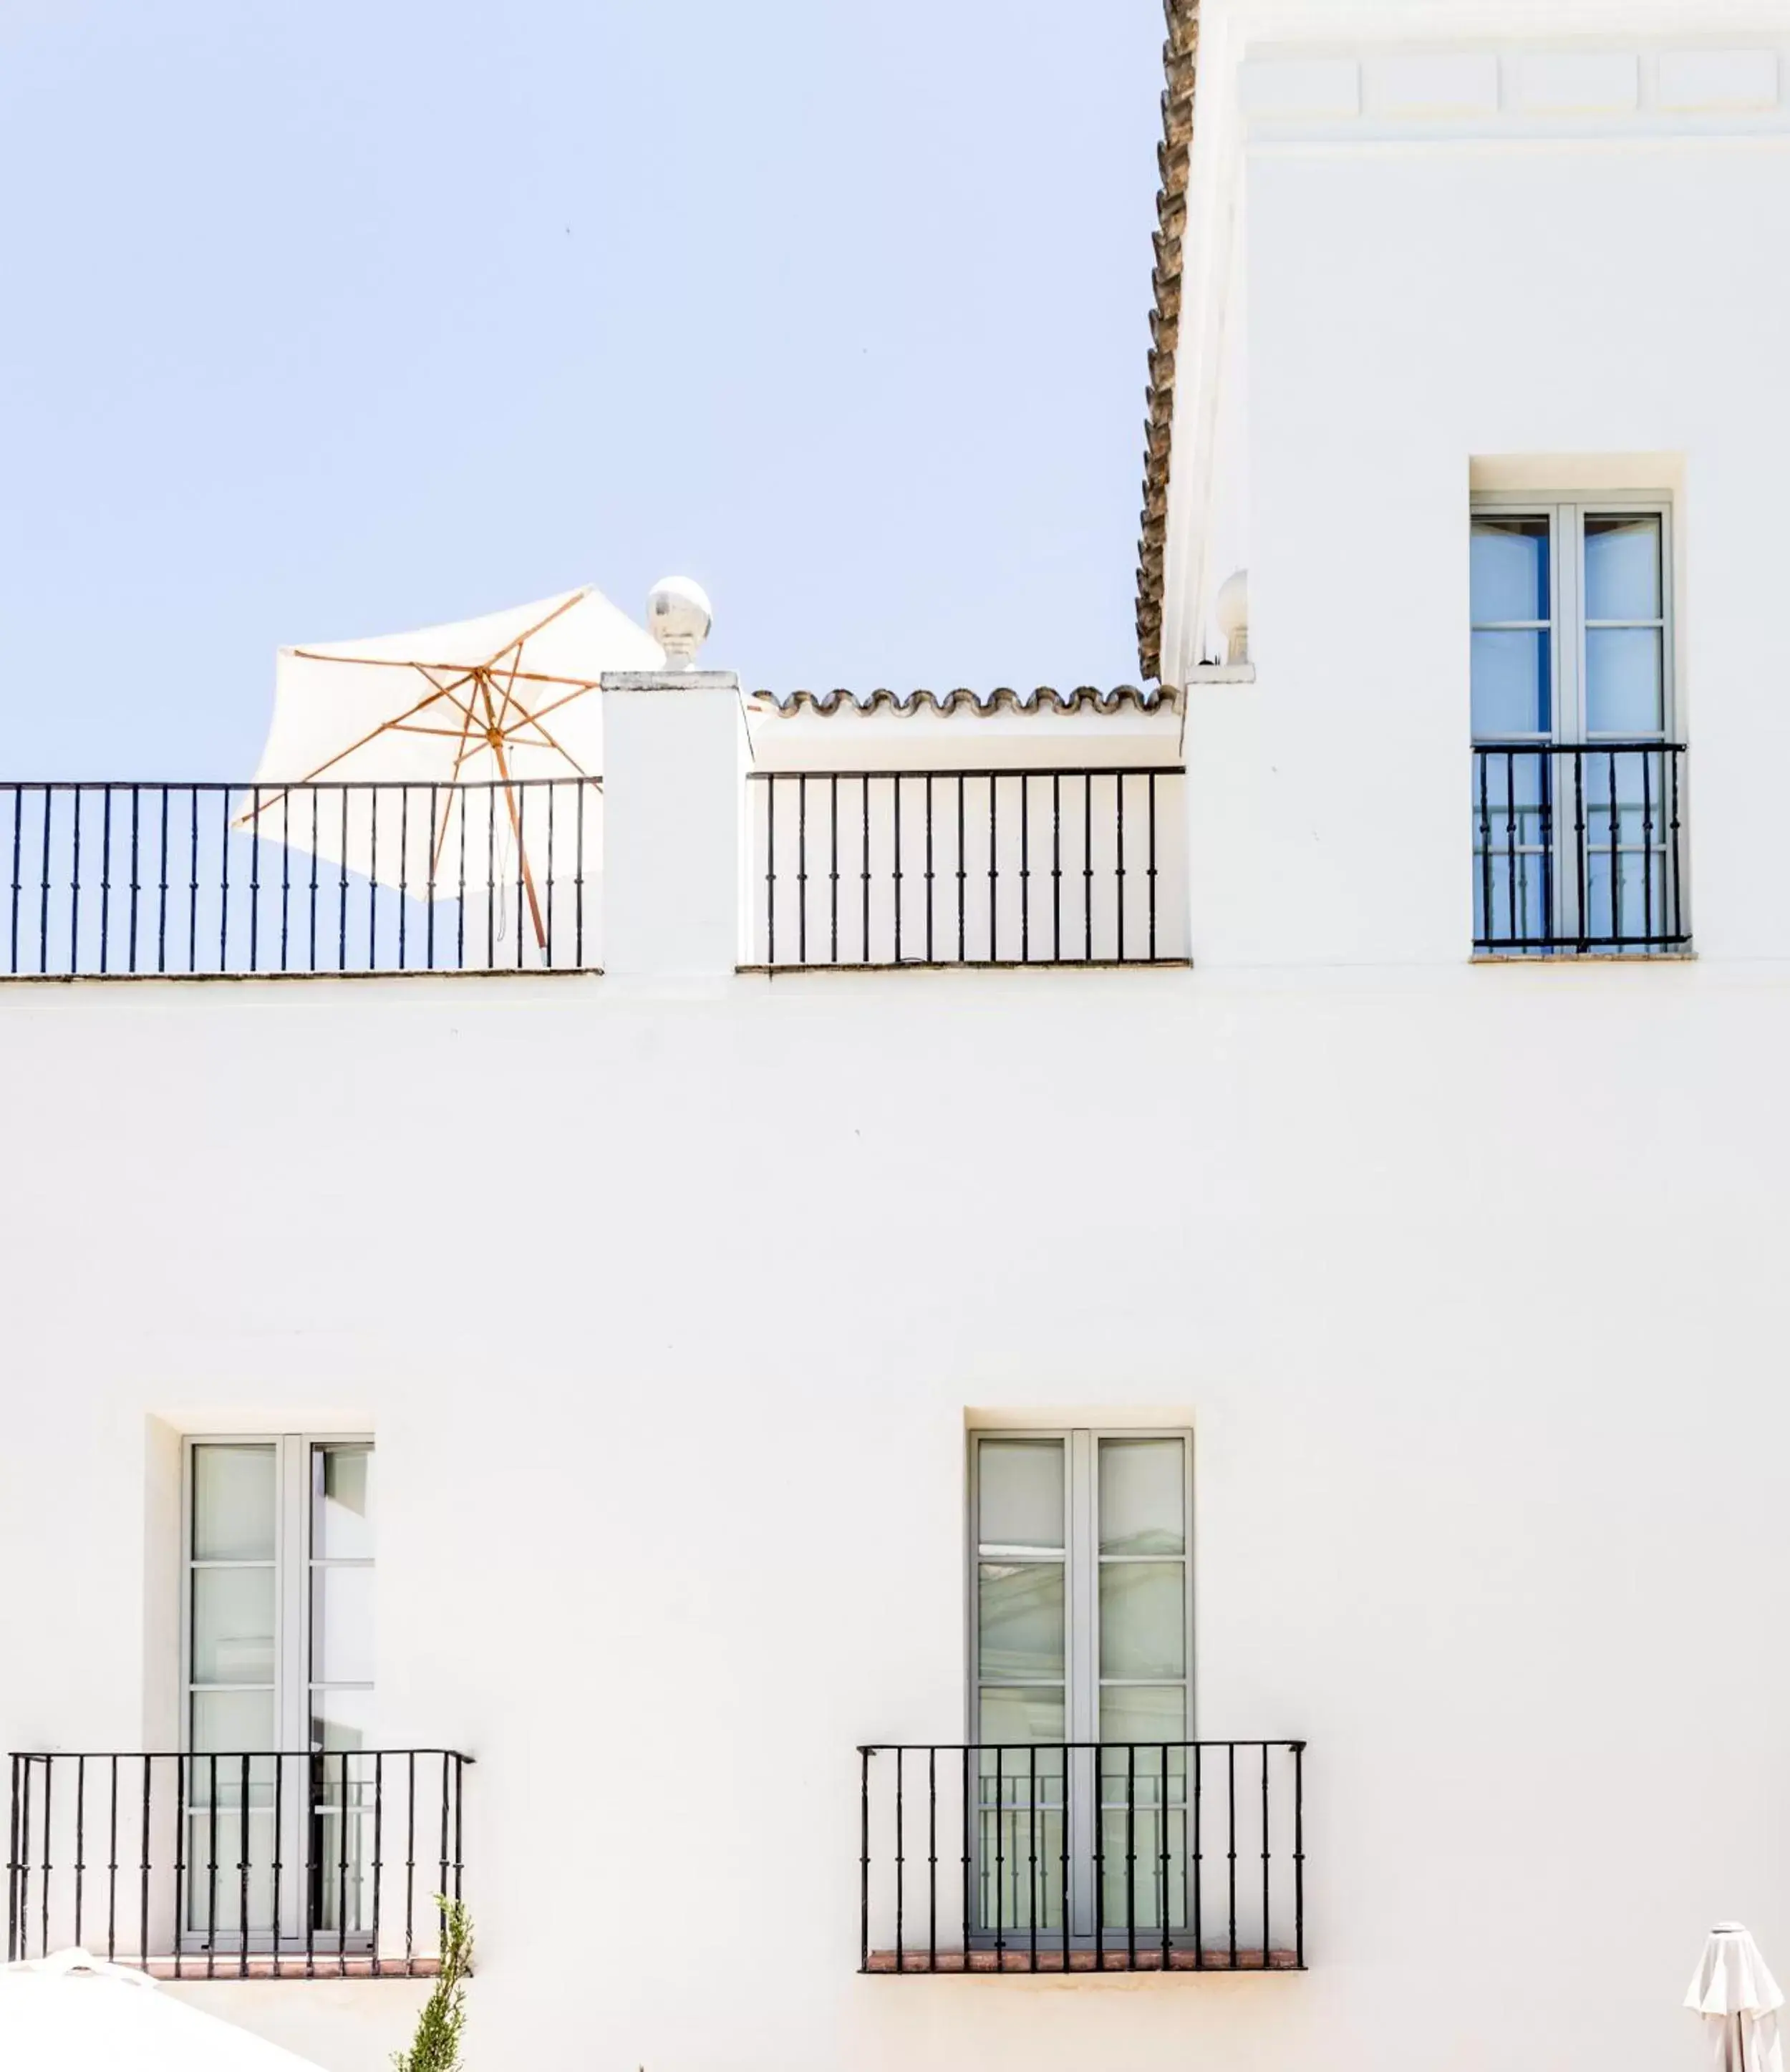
(279, 1658)
(1081, 1634)
(1578, 775)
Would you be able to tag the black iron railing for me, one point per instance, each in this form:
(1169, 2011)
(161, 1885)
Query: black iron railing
(237, 1865)
(1146, 1856)
(1578, 848)
(865, 870)
(119, 880)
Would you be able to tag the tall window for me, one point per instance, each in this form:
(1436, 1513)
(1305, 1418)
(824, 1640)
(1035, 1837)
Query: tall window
(1577, 775)
(1081, 1634)
(279, 1662)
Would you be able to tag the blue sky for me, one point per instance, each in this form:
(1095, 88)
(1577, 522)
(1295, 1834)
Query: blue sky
(332, 320)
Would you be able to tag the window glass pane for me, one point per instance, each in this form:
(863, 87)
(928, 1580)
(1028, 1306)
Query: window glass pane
(1512, 685)
(1625, 679)
(233, 1508)
(342, 1625)
(233, 1719)
(342, 1502)
(1137, 1712)
(1510, 570)
(1622, 567)
(343, 1719)
(232, 1626)
(1020, 1491)
(1142, 1496)
(1142, 1628)
(1022, 1716)
(1020, 1618)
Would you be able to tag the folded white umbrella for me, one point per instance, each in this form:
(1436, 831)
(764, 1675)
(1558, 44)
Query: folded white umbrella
(488, 702)
(1738, 2001)
(71, 2012)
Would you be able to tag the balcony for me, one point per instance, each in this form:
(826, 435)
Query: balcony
(239, 1865)
(872, 869)
(1182, 1856)
(1578, 850)
(214, 880)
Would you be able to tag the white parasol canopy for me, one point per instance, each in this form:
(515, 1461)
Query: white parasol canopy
(1738, 2001)
(71, 2012)
(495, 704)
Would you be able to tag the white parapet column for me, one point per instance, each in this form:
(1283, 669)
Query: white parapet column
(675, 753)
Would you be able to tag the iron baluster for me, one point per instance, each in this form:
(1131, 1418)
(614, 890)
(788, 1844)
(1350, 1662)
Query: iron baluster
(1298, 1854)
(929, 866)
(1265, 1890)
(105, 891)
(224, 898)
(1647, 845)
(1230, 1775)
(1025, 879)
(342, 890)
(1616, 852)
(1131, 1855)
(1118, 868)
(895, 786)
(932, 1860)
(898, 1860)
(112, 1869)
(278, 1867)
(80, 1833)
(254, 877)
(74, 891)
(1162, 1837)
(1031, 1844)
(994, 901)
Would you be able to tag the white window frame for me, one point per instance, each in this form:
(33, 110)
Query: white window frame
(294, 1558)
(1082, 1559)
(292, 1564)
(1082, 1681)
(1566, 512)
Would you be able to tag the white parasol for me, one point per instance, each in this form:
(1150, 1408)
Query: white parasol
(71, 2012)
(460, 721)
(1738, 2001)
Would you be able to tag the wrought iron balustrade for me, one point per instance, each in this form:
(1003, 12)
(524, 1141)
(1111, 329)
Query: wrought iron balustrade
(115, 880)
(237, 1865)
(1578, 848)
(865, 870)
(1148, 1856)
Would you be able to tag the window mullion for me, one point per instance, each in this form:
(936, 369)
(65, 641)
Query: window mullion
(293, 1643)
(1083, 1663)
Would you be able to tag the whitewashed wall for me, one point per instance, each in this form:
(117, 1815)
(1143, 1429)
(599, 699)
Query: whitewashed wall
(669, 1297)
(669, 1340)
(1507, 261)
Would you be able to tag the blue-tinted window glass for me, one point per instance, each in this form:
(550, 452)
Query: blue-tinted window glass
(1510, 575)
(1512, 686)
(1622, 567)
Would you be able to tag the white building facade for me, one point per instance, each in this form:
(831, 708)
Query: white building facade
(1203, 1262)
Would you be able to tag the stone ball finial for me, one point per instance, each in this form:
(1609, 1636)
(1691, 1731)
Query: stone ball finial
(678, 616)
(1231, 608)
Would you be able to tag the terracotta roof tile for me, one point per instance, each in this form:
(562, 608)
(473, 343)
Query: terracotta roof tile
(1180, 64)
(1084, 697)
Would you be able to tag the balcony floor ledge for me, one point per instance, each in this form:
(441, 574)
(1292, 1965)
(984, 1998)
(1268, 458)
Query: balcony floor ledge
(1015, 1963)
(290, 1965)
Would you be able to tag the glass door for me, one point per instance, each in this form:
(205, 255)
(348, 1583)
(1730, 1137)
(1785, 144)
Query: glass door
(1576, 795)
(278, 1787)
(1082, 1616)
